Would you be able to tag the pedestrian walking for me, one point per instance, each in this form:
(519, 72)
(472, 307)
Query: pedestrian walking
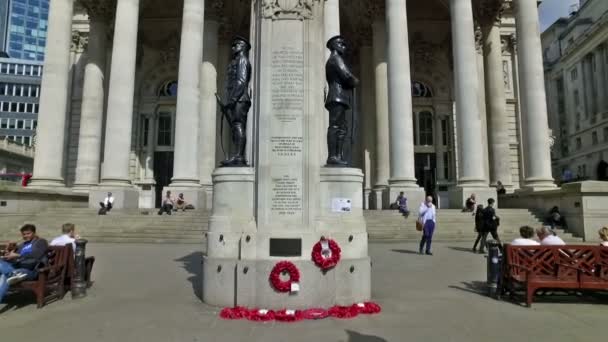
(427, 217)
(478, 226)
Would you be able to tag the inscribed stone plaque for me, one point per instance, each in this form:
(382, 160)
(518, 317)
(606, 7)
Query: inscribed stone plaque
(286, 136)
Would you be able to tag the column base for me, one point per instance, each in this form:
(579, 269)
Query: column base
(83, 188)
(459, 194)
(124, 197)
(233, 204)
(208, 194)
(367, 196)
(414, 194)
(46, 183)
(539, 184)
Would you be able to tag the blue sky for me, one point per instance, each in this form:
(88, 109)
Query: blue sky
(551, 10)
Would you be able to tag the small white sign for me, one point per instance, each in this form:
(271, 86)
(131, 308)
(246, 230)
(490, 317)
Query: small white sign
(341, 205)
(263, 311)
(290, 312)
(295, 287)
(361, 305)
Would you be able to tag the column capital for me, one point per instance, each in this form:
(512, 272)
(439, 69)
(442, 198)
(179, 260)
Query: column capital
(80, 41)
(99, 10)
(489, 12)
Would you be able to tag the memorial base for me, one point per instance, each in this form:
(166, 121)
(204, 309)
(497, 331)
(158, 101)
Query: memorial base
(124, 197)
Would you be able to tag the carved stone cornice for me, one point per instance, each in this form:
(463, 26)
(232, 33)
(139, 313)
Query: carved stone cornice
(99, 9)
(288, 9)
(80, 41)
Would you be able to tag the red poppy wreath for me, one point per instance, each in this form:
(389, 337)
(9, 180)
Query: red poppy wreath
(326, 253)
(281, 268)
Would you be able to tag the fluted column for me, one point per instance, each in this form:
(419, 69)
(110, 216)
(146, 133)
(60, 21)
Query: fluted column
(368, 120)
(185, 166)
(600, 63)
(496, 107)
(466, 83)
(119, 121)
(54, 97)
(150, 147)
(399, 96)
(535, 125)
(382, 161)
(208, 112)
(91, 117)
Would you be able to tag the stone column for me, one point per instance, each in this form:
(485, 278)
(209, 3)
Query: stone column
(91, 117)
(496, 107)
(382, 161)
(439, 148)
(185, 167)
(208, 112)
(331, 21)
(54, 97)
(471, 175)
(368, 120)
(150, 146)
(115, 173)
(402, 176)
(602, 99)
(532, 96)
(117, 150)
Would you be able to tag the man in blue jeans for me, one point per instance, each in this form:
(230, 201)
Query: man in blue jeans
(21, 264)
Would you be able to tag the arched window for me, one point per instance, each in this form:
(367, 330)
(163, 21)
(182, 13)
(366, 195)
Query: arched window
(168, 89)
(425, 129)
(420, 89)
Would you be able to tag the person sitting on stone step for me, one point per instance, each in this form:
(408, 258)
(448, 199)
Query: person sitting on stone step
(106, 204)
(181, 204)
(167, 204)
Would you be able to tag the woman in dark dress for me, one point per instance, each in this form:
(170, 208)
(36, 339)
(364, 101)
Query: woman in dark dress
(478, 226)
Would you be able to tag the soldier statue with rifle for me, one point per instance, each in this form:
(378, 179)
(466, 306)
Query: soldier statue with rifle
(238, 101)
(341, 82)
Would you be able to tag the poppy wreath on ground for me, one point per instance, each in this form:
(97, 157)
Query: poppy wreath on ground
(288, 315)
(368, 308)
(316, 313)
(321, 259)
(343, 312)
(280, 268)
(238, 312)
(258, 315)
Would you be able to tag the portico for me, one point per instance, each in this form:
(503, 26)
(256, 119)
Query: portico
(445, 111)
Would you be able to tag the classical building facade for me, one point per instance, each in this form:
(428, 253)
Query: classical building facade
(466, 109)
(576, 73)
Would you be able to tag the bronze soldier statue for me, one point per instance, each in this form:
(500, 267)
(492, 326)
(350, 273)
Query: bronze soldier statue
(341, 83)
(238, 100)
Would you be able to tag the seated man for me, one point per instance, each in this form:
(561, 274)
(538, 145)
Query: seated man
(167, 204)
(470, 204)
(106, 205)
(69, 236)
(548, 237)
(180, 203)
(526, 233)
(401, 203)
(22, 263)
(556, 219)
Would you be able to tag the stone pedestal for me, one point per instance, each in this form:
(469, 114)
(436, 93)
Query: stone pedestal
(124, 197)
(458, 195)
(281, 209)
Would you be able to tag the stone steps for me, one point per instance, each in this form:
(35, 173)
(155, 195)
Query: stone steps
(145, 226)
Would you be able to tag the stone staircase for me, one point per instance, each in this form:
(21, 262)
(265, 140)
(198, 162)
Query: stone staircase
(128, 226)
(145, 226)
(452, 225)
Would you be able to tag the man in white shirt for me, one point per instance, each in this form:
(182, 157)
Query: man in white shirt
(427, 216)
(68, 237)
(107, 203)
(526, 233)
(548, 237)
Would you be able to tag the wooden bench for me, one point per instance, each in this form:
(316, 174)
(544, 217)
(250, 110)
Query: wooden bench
(571, 267)
(50, 283)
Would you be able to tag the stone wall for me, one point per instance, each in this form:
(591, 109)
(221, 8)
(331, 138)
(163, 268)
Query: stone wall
(15, 199)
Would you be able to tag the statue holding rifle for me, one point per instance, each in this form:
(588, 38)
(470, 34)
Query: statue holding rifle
(237, 101)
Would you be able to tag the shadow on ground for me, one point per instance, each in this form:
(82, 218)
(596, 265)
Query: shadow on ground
(404, 251)
(193, 263)
(354, 336)
(17, 301)
(462, 249)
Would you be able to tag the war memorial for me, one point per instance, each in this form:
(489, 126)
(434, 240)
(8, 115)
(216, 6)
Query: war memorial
(286, 122)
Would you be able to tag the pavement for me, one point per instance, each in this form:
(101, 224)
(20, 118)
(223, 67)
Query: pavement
(152, 293)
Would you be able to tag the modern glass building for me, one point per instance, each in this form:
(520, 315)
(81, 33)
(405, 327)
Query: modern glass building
(23, 26)
(27, 26)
